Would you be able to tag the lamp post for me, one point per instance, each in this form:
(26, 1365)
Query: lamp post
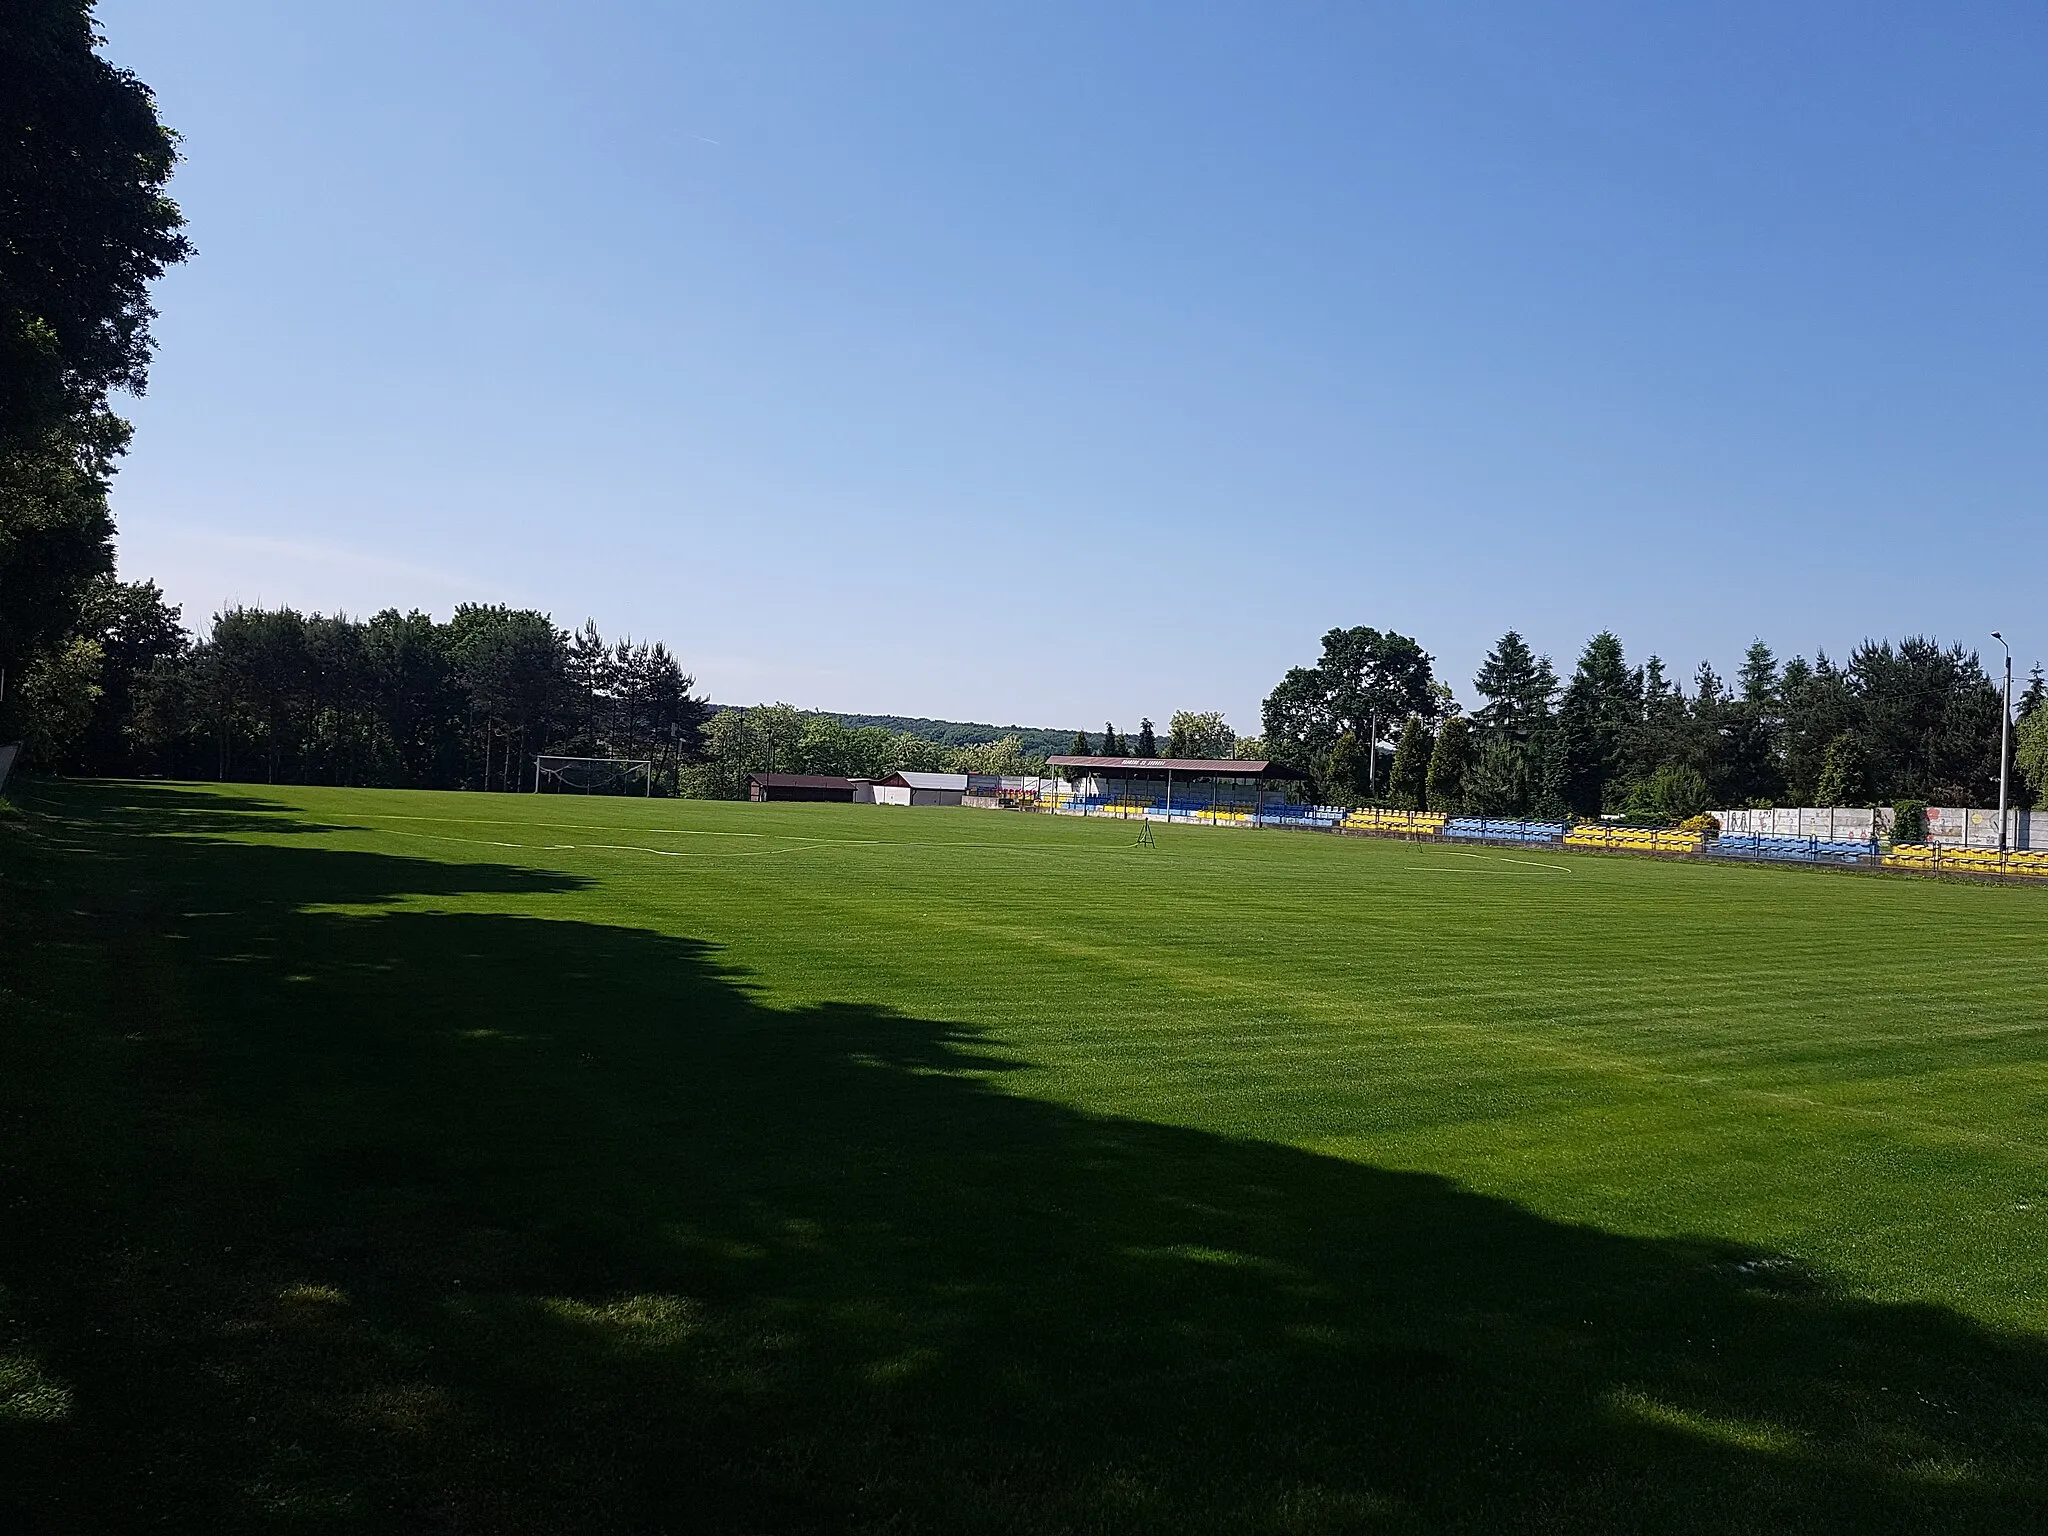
(2004, 740)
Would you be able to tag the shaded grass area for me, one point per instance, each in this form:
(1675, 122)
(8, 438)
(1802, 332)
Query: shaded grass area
(344, 1188)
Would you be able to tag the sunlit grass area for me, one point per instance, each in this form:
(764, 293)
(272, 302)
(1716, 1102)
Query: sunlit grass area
(388, 1161)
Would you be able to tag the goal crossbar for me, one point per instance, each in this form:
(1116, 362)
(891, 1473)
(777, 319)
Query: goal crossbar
(589, 773)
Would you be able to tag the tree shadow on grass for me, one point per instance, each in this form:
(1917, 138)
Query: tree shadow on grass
(468, 1223)
(80, 808)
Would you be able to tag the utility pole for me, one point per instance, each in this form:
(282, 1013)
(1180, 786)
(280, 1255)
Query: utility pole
(2004, 740)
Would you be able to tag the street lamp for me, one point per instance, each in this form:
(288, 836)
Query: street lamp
(2004, 740)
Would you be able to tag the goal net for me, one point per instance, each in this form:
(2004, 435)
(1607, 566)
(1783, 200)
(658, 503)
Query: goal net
(593, 775)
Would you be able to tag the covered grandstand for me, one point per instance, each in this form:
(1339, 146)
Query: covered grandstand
(803, 786)
(1228, 790)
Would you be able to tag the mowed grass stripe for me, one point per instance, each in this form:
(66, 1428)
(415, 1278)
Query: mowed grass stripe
(517, 1166)
(1273, 1057)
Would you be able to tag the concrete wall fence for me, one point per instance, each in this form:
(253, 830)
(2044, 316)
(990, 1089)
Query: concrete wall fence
(1947, 826)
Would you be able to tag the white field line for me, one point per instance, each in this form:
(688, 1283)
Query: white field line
(1500, 858)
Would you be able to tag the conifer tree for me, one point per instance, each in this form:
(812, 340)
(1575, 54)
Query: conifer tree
(1841, 772)
(1597, 721)
(1759, 675)
(1444, 785)
(1148, 743)
(1518, 686)
(1345, 780)
(2035, 696)
(1408, 778)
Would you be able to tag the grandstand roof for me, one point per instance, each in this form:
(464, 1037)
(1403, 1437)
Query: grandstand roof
(800, 781)
(1156, 767)
(911, 779)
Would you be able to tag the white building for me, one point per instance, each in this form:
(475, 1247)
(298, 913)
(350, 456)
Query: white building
(921, 789)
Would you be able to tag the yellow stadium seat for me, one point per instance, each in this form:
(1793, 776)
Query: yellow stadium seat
(1634, 839)
(2031, 862)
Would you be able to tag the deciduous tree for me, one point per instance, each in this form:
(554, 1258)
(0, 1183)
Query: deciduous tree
(1199, 735)
(85, 227)
(1364, 680)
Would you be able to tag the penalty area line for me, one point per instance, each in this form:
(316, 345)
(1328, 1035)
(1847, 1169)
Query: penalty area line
(1501, 858)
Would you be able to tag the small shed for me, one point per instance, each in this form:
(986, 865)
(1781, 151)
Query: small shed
(921, 789)
(799, 786)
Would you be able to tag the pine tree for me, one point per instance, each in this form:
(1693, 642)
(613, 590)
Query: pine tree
(1663, 735)
(2035, 696)
(1841, 772)
(1497, 781)
(1513, 732)
(1518, 686)
(1759, 675)
(1819, 707)
(1598, 723)
(1444, 786)
(1749, 763)
(1408, 778)
(1346, 780)
(1080, 748)
(1148, 744)
(1112, 744)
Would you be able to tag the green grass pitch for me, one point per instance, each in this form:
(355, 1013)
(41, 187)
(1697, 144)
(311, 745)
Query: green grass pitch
(375, 1161)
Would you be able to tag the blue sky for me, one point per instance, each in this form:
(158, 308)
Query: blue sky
(1065, 362)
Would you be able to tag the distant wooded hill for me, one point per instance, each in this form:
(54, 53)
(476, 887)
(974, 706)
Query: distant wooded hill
(1037, 741)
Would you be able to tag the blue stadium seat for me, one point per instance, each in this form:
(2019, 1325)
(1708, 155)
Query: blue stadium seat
(1502, 829)
(1791, 850)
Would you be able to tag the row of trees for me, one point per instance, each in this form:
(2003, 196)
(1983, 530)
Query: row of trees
(1911, 720)
(776, 738)
(1190, 733)
(398, 699)
(404, 700)
(98, 675)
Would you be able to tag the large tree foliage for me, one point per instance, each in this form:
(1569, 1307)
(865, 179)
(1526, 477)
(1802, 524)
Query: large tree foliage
(398, 699)
(1930, 720)
(1365, 682)
(2030, 754)
(1199, 734)
(85, 226)
(135, 631)
(776, 738)
(1910, 719)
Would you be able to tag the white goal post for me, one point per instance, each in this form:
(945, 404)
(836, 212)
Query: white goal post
(591, 774)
